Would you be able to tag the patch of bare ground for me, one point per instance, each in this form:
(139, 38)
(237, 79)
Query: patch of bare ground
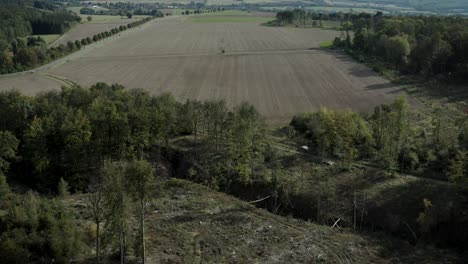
(28, 83)
(188, 223)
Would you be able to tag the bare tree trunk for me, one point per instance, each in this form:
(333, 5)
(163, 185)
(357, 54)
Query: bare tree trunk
(94, 207)
(355, 208)
(121, 247)
(142, 228)
(363, 207)
(318, 207)
(124, 247)
(98, 241)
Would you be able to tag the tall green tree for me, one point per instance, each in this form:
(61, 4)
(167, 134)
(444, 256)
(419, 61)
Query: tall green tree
(117, 204)
(95, 205)
(397, 50)
(8, 147)
(391, 130)
(141, 178)
(458, 167)
(76, 134)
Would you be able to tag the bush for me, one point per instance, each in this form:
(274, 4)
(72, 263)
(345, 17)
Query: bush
(39, 229)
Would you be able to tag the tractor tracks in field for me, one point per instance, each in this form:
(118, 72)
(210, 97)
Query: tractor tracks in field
(62, 80)
(207, 54)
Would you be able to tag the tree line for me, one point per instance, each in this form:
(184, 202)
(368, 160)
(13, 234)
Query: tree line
(301, 17)
(202, 11)
(427, 47)
(71, 133)
(123, 9)
(19, 21)
(23, 54)
(97, 141)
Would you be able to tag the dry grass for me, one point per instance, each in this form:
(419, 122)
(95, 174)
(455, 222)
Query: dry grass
(188, 223)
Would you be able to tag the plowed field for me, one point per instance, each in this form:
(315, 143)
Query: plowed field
(282, 71)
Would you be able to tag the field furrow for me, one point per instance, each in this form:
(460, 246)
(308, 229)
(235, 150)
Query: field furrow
(281, 71)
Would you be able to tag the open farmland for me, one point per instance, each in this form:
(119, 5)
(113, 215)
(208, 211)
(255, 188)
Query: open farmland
(24, 82)
(89, 29)
(282, 71)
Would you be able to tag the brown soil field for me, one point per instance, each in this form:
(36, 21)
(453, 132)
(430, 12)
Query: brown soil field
(279, 70)
(81, 31)
(29, 83)
(179, 36)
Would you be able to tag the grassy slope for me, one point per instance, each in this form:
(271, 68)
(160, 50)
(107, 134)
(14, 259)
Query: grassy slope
(391, 203)
(48, 38)
(188, 223)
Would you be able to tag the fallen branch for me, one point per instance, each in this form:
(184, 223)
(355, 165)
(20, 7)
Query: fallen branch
(259, 200)
(414, 235)
(336, 223)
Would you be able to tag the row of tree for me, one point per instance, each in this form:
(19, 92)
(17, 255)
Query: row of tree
(301, 17)
(203, 11)
(24, 54)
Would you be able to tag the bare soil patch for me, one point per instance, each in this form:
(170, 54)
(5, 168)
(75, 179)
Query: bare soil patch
(28, 83)
(188, 223)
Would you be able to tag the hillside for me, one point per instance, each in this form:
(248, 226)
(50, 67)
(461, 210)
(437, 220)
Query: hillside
(188, 223)
(447, 6)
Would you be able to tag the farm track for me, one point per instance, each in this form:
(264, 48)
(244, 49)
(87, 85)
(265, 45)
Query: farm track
(182, 55)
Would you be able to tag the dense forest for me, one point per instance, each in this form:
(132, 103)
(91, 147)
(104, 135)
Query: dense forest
(20, 21)
(423, 46)
(19, 51)
(97, 140)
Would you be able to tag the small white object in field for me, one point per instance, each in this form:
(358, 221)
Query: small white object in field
(305, 147)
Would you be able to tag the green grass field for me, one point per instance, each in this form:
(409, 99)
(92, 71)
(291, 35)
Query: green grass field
(76, 9)
(326, 44)
(48, 38)
(229, 13)
(101, 19)
(228, 19)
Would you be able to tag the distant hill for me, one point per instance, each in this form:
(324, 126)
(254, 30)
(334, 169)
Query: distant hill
(436, 6)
